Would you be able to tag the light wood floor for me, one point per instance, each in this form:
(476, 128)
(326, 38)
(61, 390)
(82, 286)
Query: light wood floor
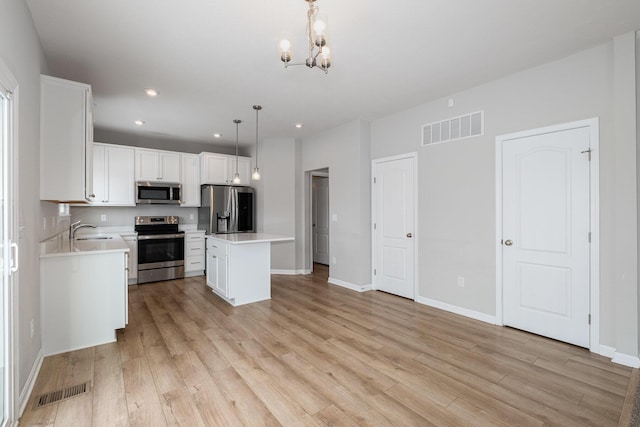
(317, 354)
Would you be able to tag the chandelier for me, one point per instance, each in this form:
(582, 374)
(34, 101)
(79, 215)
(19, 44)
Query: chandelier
(319, 52)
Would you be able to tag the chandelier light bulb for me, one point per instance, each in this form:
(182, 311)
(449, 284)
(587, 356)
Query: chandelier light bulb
(285, 45)
(236, 178)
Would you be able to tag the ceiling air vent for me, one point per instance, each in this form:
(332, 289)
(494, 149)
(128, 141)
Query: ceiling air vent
(453, 129)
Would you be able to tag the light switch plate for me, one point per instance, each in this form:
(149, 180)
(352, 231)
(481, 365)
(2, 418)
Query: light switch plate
(334, 217)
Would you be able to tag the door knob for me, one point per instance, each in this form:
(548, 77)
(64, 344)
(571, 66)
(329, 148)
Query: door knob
(409, 235)
(508, 242)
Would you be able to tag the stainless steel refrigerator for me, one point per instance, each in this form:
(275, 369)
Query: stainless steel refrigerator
(226, 209)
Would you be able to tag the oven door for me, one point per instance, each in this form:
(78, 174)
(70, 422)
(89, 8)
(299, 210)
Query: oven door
(160, 251)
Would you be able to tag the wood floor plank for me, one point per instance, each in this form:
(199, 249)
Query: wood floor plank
(317, 355)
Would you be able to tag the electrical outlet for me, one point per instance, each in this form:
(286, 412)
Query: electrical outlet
(333, 260)
(103, 217)
(33, 328)
(461, 281)
(191, 216)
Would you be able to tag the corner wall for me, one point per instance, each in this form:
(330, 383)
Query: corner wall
(345, 151)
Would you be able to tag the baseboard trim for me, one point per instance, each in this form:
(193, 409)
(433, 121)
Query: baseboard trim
(30, 384)
(357, 288)
(290, 272)
(626, 360)
(457, 310)
(607, 351)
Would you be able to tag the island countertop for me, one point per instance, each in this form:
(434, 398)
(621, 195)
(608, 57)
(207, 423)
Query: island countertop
(248, 238)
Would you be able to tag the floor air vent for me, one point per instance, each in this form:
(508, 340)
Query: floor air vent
(453, 129)
(60, 395)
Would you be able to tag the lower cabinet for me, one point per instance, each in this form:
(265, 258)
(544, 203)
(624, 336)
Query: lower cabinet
(217, 267)
(194, 259)
(132, 266)
(84, 300)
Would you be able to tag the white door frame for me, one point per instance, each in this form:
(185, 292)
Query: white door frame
(374, 165)
(310, 174)
(594, 250)
(12, 361)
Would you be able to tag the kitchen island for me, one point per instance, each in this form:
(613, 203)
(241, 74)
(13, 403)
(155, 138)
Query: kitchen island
(239, 266)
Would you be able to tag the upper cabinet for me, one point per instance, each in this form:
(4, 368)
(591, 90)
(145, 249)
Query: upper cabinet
(113, 175)
(221, 168)
(66, 139)
(156, 165)
(190, 171)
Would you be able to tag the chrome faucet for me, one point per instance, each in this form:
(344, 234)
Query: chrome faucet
(76, 226)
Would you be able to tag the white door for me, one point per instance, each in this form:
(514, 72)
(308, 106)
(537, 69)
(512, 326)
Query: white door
(545, 217)
(394, 226)
(320, 214)
(8, 249)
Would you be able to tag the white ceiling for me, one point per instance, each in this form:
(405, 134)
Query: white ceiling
(212, 60)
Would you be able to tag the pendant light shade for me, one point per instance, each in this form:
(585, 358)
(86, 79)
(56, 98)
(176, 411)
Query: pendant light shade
(236, 177)
(256, 171)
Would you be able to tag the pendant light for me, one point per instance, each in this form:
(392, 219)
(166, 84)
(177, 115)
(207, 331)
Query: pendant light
(236, 177)
(256, 170)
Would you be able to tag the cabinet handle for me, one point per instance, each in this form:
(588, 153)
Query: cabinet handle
(91, 196)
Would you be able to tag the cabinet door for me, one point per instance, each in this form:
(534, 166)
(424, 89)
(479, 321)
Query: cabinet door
(99, 175)
(120, 176)
(88, 147)
(190, 171)
(64, 149)
(147, 165)
(244, 169)
(213, 168)
(169, 167)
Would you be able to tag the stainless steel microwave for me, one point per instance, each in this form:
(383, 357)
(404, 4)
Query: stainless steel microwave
(157, 193)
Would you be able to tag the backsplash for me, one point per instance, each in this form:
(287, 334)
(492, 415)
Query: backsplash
(112, 216)
(52, 222)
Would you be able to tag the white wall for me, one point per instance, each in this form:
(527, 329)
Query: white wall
(345, 152)
(457, 179)
(20, 50)
(275, 198)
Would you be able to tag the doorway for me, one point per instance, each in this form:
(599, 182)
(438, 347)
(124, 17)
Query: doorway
(8, 247)
(320, 218)
(546, 230)
(394, 203)
(319, 232)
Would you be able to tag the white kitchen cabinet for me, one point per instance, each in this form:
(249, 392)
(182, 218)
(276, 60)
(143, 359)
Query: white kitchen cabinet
(217, 268)
(157, 165)
(220, 169)
(131, 240)
(84, 300)
(194, 258)
(213, 168)
(66, 140)
(113, 175)
(190, 180)
(244, 169)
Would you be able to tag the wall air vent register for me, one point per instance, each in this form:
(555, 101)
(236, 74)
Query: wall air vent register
(453, 129)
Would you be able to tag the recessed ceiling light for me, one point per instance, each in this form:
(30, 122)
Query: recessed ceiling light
(217, 135)
(298, 125)
(139, 122)
(151, 92)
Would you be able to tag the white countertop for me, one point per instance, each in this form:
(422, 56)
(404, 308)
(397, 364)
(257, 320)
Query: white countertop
(248, 238)
(61, 245)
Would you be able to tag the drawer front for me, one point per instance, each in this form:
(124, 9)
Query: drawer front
(194, 248)
(194, 263)
(193, 237)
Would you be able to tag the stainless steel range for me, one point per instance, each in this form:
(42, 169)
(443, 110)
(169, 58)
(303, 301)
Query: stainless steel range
(160, 248)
